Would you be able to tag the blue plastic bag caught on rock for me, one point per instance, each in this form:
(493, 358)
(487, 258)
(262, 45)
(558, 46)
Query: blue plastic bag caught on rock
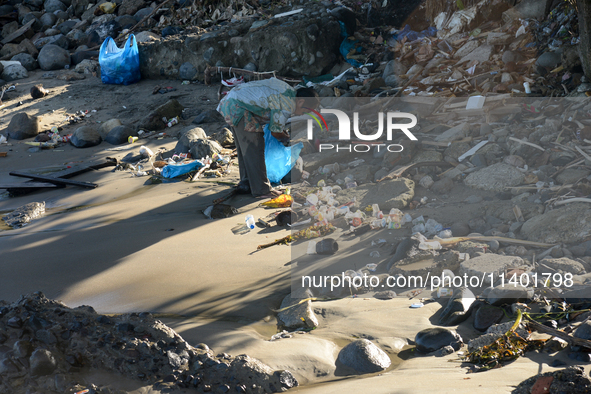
(174, 170)
(279, 159)
(120, 66)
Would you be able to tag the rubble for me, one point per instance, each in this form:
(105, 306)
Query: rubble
(47, 342)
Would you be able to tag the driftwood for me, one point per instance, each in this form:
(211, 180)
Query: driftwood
(18, 33)
(399, 172)
(560, 334)
(210, 71)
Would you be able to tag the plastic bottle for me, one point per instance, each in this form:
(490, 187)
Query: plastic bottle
(249, 220)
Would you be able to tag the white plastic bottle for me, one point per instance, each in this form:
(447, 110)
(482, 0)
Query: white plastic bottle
(249, 221)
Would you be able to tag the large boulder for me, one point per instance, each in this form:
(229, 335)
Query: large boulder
(168, 110)
(107, 126)
(363, 356)
(204, 148)
(42, 362)
(53, 57)
(120, 135)
(14, 72)
(28, 61)
(22, 126)
(85, 137)
(188, 138)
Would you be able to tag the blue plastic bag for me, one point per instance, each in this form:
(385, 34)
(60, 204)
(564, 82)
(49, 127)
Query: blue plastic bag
(279, 159)
(174, 170)
(120, 66)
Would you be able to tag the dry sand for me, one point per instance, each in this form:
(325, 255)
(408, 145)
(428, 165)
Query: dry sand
(127, 246)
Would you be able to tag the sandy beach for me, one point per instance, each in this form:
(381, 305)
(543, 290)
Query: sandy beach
(128, 246)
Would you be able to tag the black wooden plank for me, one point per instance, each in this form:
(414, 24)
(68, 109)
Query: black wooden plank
(58, 181)
(28, 185)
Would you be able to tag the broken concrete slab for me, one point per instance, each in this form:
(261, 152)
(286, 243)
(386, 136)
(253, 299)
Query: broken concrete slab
(455, 133)
(570, 224)
(489, 266)
(495, 178)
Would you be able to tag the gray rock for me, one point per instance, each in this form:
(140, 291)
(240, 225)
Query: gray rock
(460, 229)
(22, 126)
(455, 133)
(570, 224)
(251, 67)
(473, 199)
(432, 339)
(31, 17)
(442, 186)
(512, 56)
(225, 137)
(549, 59)
(204, 148)
(291, 318)
(189, 137)
(54, 5)
(53, 57)
(28, 61)
(48, 20)
(169, 110)
(394, 68)
(571, 175)
(363, 356)
(583, 331)
(489, 264)
(495, 178)
(142, 13)
(66, 26)
(22, 349)
(7, 367)
(208, 116)
(55, 39)
(77, 37)
(509, 294)
(120, 135)
(187, 71)
(107, 126)
(14, 72)
(563, 264)
(385, 295)
(487, 315)
(85, 137)
(125, 21)
(493, 333)
(42, 362)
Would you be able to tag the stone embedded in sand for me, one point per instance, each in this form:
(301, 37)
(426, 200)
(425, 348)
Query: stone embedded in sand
(570, 223)
(363, 356)
(456, 310)
(495, 178)
(120, 135)
(571, 175)
(22, 126)
(291, 318)
(208, 116)
(204, 148)
(189, 137)
(169, 110)
(109, 125)
(489, 264)
(432, 339)
(85, 137)
(38, 91)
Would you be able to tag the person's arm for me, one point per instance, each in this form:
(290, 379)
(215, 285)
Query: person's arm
(277, 122)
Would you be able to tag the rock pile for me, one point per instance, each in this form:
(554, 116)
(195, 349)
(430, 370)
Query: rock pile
(44, 343)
